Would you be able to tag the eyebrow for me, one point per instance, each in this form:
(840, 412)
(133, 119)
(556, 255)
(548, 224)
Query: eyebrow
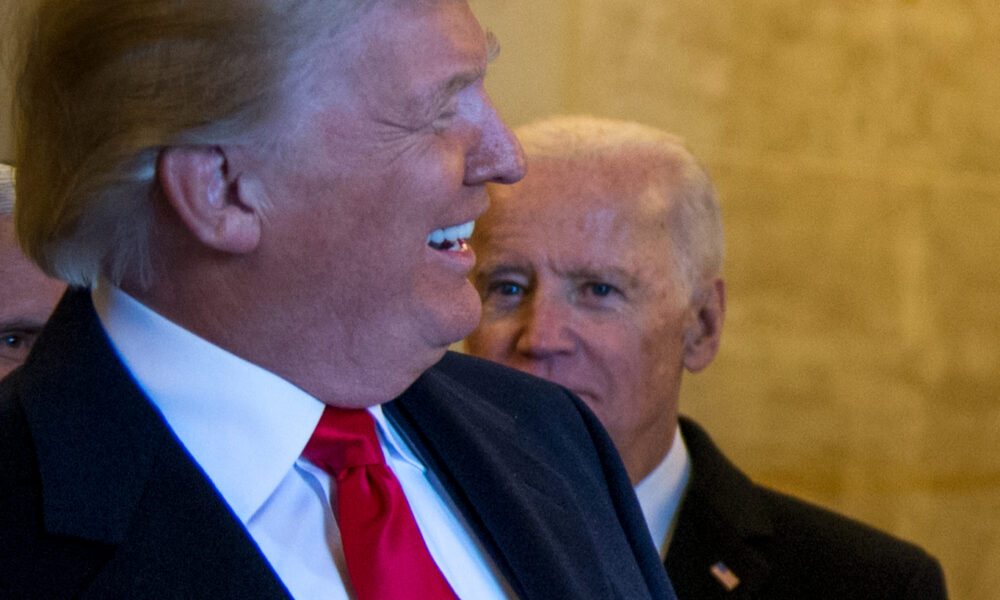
(588, 273)
(459, 82)
(441, 94)
(20, 324)
(622, 276)
(500, 270)
(462, 80)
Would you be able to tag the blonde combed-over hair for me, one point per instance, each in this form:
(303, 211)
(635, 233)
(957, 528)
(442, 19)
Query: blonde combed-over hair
(105, 85)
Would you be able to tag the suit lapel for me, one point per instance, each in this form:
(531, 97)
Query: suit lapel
(526, 522)
(113, 474)
(720, 524)
(90, 426)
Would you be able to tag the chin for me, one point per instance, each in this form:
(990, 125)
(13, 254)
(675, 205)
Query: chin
(456, 318)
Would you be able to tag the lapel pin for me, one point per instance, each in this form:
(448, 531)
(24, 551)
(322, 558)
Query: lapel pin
(727, 578)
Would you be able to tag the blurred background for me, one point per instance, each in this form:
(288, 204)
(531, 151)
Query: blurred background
(856, 148)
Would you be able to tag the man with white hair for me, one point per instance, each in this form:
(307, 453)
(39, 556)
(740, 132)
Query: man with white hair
(27, 295)
(264, 207)
(601, 271)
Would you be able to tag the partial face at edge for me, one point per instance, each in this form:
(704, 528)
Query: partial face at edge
(27, 297)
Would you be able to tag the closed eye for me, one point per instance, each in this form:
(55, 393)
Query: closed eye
(442, 121)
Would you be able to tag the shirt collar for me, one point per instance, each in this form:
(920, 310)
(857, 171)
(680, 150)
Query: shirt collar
(232, 416)
(660, 493)
(393, 444)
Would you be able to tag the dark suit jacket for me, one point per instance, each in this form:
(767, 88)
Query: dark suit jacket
(780, 547)
(99, 500)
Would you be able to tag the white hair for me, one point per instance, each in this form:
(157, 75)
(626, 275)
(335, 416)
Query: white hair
(661, 158)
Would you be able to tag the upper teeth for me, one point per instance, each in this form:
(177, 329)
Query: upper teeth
(451, 234)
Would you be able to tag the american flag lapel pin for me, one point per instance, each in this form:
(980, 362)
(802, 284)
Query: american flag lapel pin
(727, 578)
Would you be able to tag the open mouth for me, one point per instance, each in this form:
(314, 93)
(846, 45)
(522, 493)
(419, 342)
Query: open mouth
(451, 238)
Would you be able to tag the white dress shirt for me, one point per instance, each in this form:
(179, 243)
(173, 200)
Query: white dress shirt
(660, 493)
(247, 427)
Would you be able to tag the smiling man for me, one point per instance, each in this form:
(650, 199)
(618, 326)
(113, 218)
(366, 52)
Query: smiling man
(601, 271)
(26, 294)
(264, 207)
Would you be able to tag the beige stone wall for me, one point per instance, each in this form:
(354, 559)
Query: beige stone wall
(856, 146)
(7, 35)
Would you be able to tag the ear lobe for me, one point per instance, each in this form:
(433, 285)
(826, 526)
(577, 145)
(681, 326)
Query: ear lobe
(197, 185)
(702, 338)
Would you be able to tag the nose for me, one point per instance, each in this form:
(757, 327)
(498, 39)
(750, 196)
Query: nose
(546, 330)
(497, 156)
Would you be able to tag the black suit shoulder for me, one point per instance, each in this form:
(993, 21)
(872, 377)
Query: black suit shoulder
(833, 556)
(531, 401)
(97, 497)
(32, 564)
(536, 476)
(497, 383)
(781, 546)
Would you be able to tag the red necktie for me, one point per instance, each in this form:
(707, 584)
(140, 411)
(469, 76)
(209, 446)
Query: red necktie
(385, 553)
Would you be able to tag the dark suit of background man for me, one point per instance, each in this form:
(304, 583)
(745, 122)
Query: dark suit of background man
(263, 207)
(600, 270)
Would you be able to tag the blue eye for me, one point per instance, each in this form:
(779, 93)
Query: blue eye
(507, 288)
(15, 345)
(601, 289)
(15, 340)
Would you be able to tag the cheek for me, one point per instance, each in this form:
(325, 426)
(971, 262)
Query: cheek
(612, 363)
(618, 342)
(431, 164)
(635, 360)
(491, 341)
(663, 333)
(662, 364)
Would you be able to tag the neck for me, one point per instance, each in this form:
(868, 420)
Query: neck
(642, 450)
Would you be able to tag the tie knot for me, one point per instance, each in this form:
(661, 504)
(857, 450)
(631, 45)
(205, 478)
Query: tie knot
(344, 439)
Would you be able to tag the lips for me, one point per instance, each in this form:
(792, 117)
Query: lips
(451, 238)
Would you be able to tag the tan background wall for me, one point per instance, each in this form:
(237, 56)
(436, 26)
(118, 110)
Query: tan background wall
(7, 31)
(856, 146)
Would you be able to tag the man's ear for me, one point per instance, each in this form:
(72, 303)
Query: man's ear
(197, 184)
(702, 338)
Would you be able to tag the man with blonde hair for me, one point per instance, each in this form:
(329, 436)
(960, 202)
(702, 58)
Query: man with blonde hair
(27, 295)
(601, 271)
(264, 206)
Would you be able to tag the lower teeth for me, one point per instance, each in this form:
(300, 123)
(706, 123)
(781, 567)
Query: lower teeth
(460, 244)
